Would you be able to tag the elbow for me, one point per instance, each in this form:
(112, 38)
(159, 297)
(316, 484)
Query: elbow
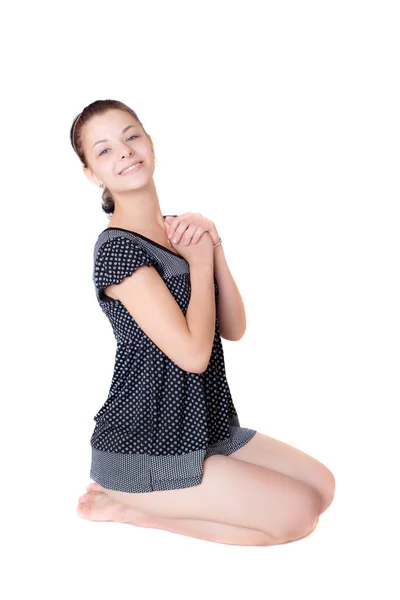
(197, 369)
(194, 367)
(200, 362)
(239, 335)
(193, 359)
(241, 331)
(200, 366)
(192, 364)
(233, 336)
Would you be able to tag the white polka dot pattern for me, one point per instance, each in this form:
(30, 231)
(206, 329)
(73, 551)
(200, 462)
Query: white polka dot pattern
(159, 422)
(140, 473)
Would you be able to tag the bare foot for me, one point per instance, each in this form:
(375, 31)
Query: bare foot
(95, 505)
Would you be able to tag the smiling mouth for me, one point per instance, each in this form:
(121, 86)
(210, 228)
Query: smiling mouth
(132, 168)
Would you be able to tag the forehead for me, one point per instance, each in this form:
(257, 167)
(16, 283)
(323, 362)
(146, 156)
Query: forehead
(106, 125)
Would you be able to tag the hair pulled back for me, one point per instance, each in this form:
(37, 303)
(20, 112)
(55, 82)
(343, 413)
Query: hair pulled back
(98, 107)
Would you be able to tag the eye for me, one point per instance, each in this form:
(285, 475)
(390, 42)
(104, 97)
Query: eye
(129, 138)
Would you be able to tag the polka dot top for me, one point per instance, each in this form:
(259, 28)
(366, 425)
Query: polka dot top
(155, 411)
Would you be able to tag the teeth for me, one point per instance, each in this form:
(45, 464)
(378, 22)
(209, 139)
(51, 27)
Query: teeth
(131, 168)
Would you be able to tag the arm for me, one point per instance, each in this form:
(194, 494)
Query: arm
(231, 312)
(186, 341)
(200, 314)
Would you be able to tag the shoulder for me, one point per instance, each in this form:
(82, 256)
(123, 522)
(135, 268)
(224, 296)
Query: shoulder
(118, 256)
(117, 244)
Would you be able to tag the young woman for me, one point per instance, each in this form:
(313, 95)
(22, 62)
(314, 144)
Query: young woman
(168, 450)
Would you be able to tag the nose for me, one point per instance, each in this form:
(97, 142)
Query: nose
(126, 152)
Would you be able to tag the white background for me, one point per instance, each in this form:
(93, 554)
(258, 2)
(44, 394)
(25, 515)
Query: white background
(280, 122)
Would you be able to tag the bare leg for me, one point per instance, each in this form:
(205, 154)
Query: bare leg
(217, 532)
(97, 506)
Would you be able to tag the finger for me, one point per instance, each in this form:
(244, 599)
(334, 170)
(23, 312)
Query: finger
(171, 228)
(186, 215)
(197, 235)
(179, 231)
(188, 235)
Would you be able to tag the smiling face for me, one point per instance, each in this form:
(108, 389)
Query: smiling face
(112, 142)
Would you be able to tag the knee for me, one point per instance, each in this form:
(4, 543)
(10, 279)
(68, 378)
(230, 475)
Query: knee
(326, 489)
(304, 517)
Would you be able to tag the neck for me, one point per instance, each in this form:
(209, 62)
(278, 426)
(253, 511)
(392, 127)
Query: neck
(138, 210)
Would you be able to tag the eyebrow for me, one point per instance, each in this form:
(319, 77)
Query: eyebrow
(123, 131)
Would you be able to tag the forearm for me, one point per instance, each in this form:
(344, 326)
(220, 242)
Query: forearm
(231, 312)
(200, 314)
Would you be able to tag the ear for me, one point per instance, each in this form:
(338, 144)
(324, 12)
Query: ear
(90, 175)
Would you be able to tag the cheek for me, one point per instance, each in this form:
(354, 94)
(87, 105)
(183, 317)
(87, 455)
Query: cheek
(107, 169)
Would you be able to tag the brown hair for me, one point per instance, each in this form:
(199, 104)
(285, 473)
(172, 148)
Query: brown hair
(96, 108)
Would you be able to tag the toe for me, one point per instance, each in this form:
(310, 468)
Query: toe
(84, 498)
(94, 487)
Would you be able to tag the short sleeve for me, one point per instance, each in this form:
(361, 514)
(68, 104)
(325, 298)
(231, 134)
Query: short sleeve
(118, 258)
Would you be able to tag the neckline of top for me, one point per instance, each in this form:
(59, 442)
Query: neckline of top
(146, 238)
